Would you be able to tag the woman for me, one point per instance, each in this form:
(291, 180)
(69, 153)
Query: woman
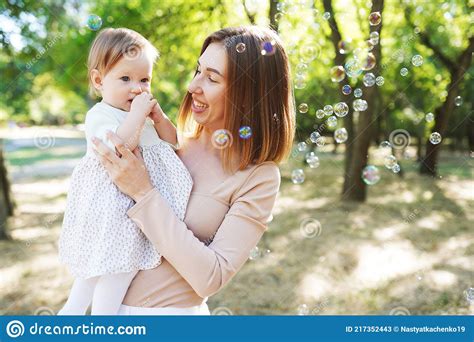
(242, 79)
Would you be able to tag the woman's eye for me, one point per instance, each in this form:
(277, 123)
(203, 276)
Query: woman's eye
(210, 79)
(125, 78)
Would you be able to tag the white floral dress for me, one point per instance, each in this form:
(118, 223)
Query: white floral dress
(97, 236)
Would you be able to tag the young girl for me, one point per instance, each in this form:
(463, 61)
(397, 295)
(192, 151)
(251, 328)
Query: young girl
(101, 246)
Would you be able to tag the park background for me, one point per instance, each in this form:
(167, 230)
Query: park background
(337, 245)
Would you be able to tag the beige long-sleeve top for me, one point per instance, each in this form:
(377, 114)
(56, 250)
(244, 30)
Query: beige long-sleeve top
(225, 218)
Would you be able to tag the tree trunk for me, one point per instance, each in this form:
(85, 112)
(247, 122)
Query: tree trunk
(348, 120)
(271, 15)
(354, 187)
(430, 160)
(6, 204)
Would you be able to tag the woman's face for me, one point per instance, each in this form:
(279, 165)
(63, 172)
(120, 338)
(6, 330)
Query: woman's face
(208, 87)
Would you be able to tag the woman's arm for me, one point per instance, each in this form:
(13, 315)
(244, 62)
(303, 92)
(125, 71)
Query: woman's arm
(206, 268)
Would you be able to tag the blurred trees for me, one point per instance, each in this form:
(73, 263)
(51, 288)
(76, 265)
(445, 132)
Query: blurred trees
(45, 46)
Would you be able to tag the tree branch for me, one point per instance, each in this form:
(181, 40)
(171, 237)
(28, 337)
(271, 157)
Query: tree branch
(249, 15)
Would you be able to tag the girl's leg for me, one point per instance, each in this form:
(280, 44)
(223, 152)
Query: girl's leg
(109, 293)
(80, 297)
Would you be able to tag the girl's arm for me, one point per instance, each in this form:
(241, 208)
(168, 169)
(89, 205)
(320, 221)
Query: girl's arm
(163, 126)
(130, 129)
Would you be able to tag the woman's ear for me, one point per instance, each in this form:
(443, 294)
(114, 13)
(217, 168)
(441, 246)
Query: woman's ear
(96, 79)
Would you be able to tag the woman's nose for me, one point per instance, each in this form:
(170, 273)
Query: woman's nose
(194, 85)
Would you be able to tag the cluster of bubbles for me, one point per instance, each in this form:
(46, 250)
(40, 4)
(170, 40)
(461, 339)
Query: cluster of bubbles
(391, 163)
(221, 139)
(312, 160)
(94, 22)
(245, 132)
(317, 139)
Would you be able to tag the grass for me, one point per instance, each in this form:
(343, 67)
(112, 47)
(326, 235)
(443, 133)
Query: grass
(409, 248)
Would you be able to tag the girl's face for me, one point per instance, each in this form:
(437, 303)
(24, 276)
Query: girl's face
(127, 79)
(208, 87)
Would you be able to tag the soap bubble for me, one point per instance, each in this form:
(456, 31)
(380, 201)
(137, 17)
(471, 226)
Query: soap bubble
(369, 79)
(341, 109)
(300, 83)
(312, 160)
(221, 139)
(314, 136)
(245, 132)
(353, 67)
(94, 22)
(435, 138)
(320, 114)
(303, 108)
(390, 161)
(417, 60)
(374, 37)
(359, 105)
(337, 73)
(346, 89)
(332, 121)
(396, 168)
(340, 135)
(344, 47)
(429, 117)
(458, 101)
(302, 146)
(358, 92)
(469, 294)
(326, 15)
(240, 47)
(403, 72)
(301, 68)
(297, 176)
(379, 81)
(254, 253)
(375, 18)
(370, 175)
(309, 53)
(268, 48)
(328, 109)
(385, 144)
(303, 308)
(369, 62)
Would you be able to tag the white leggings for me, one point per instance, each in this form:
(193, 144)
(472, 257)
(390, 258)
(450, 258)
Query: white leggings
(106, 293)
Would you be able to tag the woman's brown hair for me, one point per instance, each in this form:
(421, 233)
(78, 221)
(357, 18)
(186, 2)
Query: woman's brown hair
(258, 95)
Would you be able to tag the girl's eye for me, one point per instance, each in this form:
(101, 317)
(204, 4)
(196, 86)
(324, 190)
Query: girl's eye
(125, 78)
(145, 80)
(198, 71)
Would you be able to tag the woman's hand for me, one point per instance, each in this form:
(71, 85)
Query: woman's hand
(127, 171)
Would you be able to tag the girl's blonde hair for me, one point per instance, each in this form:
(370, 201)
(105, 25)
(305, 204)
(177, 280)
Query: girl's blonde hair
(111, 45)
(258, 95)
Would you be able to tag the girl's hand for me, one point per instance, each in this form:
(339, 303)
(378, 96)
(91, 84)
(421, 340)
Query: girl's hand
(127, 171)
(156, 113)
(142, 104)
